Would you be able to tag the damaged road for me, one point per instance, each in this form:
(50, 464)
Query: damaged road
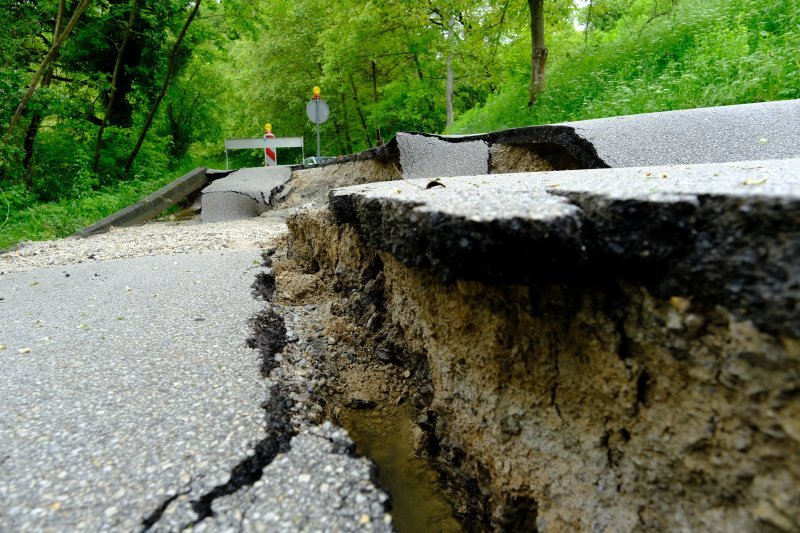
(131, 402)
(247, 192)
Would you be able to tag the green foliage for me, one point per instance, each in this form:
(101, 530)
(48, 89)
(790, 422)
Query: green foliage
(703, 53)
(382, 66)
(23, 217)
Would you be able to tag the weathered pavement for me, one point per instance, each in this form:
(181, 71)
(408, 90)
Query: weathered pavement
(746, 132)
(127, 384)
(769, 130)
(129, 399)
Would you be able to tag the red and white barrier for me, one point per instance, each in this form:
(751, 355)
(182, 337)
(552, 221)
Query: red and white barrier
(270, 157)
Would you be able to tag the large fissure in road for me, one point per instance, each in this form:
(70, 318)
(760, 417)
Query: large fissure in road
(323, 355)
(571, 404)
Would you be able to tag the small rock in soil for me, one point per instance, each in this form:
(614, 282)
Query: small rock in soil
(361, 404)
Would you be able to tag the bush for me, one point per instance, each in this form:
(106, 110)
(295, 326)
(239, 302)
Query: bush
(705, 53)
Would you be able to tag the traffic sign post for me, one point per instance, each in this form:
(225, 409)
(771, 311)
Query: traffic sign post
(317, 112)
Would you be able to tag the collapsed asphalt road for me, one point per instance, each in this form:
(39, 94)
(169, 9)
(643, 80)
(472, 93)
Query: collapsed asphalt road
(130, 402)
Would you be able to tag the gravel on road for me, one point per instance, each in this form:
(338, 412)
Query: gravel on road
(154, 238)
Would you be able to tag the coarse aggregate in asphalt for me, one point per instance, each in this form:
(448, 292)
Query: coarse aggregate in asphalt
(123, 382)
(127, 388)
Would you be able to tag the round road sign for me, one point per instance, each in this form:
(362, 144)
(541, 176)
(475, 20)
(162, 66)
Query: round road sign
(318, 111)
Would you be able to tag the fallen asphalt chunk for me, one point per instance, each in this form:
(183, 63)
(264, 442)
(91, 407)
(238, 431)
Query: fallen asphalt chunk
(243, 194)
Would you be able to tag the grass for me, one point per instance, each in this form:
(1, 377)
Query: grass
(706, 53)
(52, 220)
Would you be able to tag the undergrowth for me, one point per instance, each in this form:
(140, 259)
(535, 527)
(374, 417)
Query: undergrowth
(22, 218)
(704, 53)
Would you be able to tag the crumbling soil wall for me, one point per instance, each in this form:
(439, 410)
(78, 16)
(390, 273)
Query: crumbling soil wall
(589, 406)
(311, 185)
(530, 157)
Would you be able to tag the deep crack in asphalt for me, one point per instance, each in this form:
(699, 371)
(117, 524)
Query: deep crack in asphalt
(247, 472)
(269, 338)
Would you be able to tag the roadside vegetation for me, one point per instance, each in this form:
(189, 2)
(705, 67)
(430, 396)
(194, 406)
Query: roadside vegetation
(694, 54)
(136, 93)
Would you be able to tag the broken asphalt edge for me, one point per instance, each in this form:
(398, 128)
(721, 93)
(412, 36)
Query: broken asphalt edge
(731, 238)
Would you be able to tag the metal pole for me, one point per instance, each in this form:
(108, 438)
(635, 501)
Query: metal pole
(316, 115)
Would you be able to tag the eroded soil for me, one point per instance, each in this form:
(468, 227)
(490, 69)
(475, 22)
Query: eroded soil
(561, 407)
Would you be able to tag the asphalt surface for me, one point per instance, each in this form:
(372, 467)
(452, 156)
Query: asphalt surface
(127, 391)
(137, 385)
(722, 233)
(748, 132)
(245, 193)
(423, 156)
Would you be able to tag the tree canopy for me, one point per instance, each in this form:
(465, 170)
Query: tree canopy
(95, 92)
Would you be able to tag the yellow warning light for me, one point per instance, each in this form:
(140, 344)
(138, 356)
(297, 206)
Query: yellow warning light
(316, 92)
(268, 128)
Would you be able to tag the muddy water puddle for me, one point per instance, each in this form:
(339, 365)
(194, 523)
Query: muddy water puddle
(385, 436)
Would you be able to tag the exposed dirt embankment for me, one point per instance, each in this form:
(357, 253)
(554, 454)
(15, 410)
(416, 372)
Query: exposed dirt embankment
(553, 407)
(530, 157)
(311, 185)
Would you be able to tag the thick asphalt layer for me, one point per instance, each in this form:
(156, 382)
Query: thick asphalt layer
(245, 193)
(723, 233)
(746, 132)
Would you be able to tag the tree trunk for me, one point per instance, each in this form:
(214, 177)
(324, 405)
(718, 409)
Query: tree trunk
(538, 50)
(114, 77)
(164, 86)
(420, 75)
(36, 119)
(345, 115)
(337, 128)
(449, 88)
(360, 113)
(51, 54)
(378, 141)
(588, 24)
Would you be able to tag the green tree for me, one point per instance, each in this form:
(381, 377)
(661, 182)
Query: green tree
(58, 42)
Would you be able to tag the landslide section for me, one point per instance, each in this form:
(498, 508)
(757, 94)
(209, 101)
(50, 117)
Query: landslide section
(534, 149)
(581, 406)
